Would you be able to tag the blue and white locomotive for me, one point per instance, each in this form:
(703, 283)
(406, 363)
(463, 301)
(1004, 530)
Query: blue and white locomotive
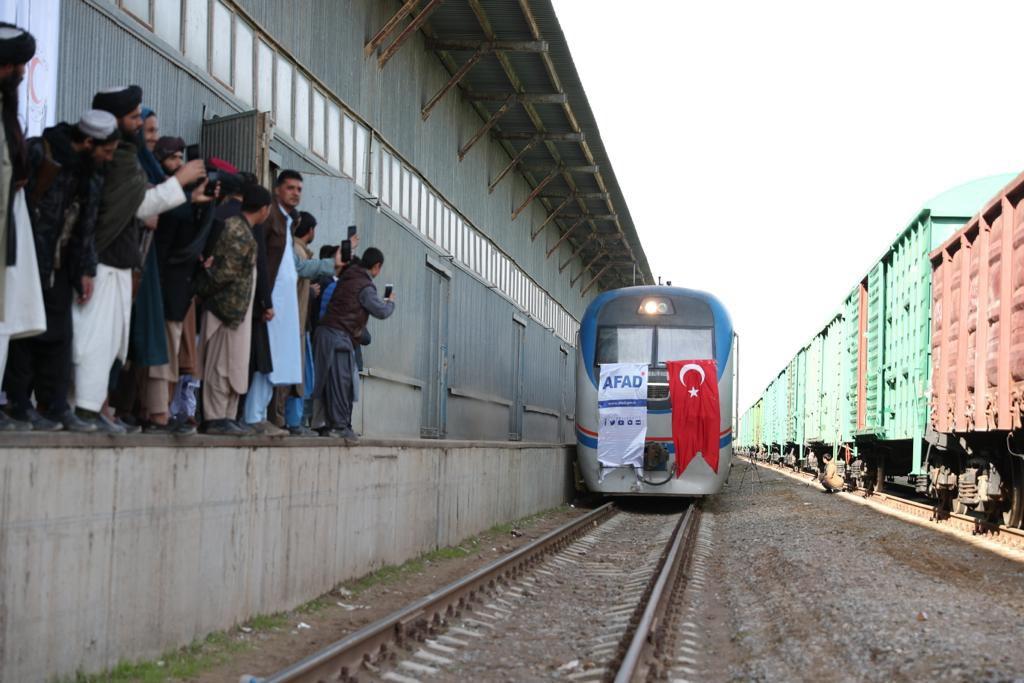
(653, 325)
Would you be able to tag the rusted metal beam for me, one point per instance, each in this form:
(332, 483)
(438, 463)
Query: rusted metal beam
(452, 82)
(578, 195)
(590, 216)
(570, 116)
(488, 124)
(408, 31)
(567, 169)
(553, 137)
(537, 190)
(601, 254)
(551, 216)
(592, 281)
(488, 45)
(564, 237)
(389, 26)
(525, 97)
(579, 247)
(511, 164)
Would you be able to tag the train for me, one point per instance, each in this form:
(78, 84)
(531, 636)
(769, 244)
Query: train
(916, 380)
(652, 326)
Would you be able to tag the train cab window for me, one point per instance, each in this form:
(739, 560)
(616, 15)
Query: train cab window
(624, 344)
(684, 343)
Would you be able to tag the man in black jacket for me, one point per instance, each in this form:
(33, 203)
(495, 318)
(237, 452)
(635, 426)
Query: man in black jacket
(341, 328)
(63, 193)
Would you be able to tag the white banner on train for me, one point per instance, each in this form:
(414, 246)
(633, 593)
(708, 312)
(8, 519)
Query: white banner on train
(622, 415)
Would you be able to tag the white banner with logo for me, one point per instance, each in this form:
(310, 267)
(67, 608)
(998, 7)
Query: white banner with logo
(37, 96)
(622, 411)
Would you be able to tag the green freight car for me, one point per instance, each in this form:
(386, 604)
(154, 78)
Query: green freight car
(861, 385)
(893, 353)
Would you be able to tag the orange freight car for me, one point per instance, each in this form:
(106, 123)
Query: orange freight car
(977, 400)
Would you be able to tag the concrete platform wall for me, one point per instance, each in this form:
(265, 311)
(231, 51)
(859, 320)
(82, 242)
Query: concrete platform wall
(112, 553)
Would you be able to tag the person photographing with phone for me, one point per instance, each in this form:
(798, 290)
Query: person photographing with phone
(354, 300)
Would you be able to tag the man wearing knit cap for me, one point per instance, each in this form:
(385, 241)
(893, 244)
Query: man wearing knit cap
(63, 194)
(101, 324)
(21, 298)
(170, 152)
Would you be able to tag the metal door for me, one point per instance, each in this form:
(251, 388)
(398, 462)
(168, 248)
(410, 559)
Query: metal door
(515, 422)
(435, 355)
(243, 139)
(563, 387)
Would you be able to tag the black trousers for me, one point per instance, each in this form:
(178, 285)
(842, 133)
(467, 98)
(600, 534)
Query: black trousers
(332, 359)
(42, 364)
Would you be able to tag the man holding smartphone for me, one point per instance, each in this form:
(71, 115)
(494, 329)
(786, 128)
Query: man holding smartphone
(341, 328)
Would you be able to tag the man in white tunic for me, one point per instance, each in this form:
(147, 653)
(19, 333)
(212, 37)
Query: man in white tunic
(285, 269)
(21, 293)
(101, 324)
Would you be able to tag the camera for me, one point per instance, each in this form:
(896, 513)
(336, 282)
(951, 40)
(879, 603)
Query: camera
(230, 183)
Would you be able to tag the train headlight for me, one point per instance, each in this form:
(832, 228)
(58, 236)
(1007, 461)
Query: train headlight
(656, 307)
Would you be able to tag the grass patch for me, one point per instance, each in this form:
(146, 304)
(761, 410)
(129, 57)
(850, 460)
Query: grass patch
(313, 606)
(268, 622)
(193, 659)
(186, 662)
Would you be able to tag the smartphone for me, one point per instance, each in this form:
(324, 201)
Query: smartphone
(191, 152)
(387, 291)
(346, 251)
(351, 231)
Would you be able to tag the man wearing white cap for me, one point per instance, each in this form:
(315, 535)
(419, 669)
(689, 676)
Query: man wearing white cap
(63, 195)
(101, 325)
(21, 297)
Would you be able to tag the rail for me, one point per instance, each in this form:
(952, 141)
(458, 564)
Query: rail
(342, 660)
(643, 658)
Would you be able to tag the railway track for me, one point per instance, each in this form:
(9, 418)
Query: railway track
(594, 600)
(1003, 535)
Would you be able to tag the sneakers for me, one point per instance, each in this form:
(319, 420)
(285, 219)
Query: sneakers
(225, 428)
(10, 423)
(73, 423)
(301, 430)
(128, 423)
(266, 428)
(182, 427)
(38, 422)
(338, 433)
(109, 426)
(157, 428)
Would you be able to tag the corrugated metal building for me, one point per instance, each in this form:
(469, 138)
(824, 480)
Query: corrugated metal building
(456, 135)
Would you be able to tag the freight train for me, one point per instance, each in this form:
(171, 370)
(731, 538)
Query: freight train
(653, 325)
(917, 378)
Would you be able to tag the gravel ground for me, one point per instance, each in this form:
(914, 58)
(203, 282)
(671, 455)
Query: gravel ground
(801, 585)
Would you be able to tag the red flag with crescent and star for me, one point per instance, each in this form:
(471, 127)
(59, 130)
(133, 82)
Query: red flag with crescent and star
(693, 392)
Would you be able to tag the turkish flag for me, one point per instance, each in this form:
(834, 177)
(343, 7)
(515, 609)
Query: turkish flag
(693, 391)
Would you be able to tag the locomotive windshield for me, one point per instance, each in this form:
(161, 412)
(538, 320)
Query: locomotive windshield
(652, 345)
(682, 343)
(624, 344)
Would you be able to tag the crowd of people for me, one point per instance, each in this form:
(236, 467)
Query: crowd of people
(140, 290)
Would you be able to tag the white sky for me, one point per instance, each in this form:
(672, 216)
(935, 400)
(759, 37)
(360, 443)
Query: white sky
(769, 151)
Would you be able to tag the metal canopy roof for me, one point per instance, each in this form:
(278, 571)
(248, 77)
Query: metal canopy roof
(512, 63)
